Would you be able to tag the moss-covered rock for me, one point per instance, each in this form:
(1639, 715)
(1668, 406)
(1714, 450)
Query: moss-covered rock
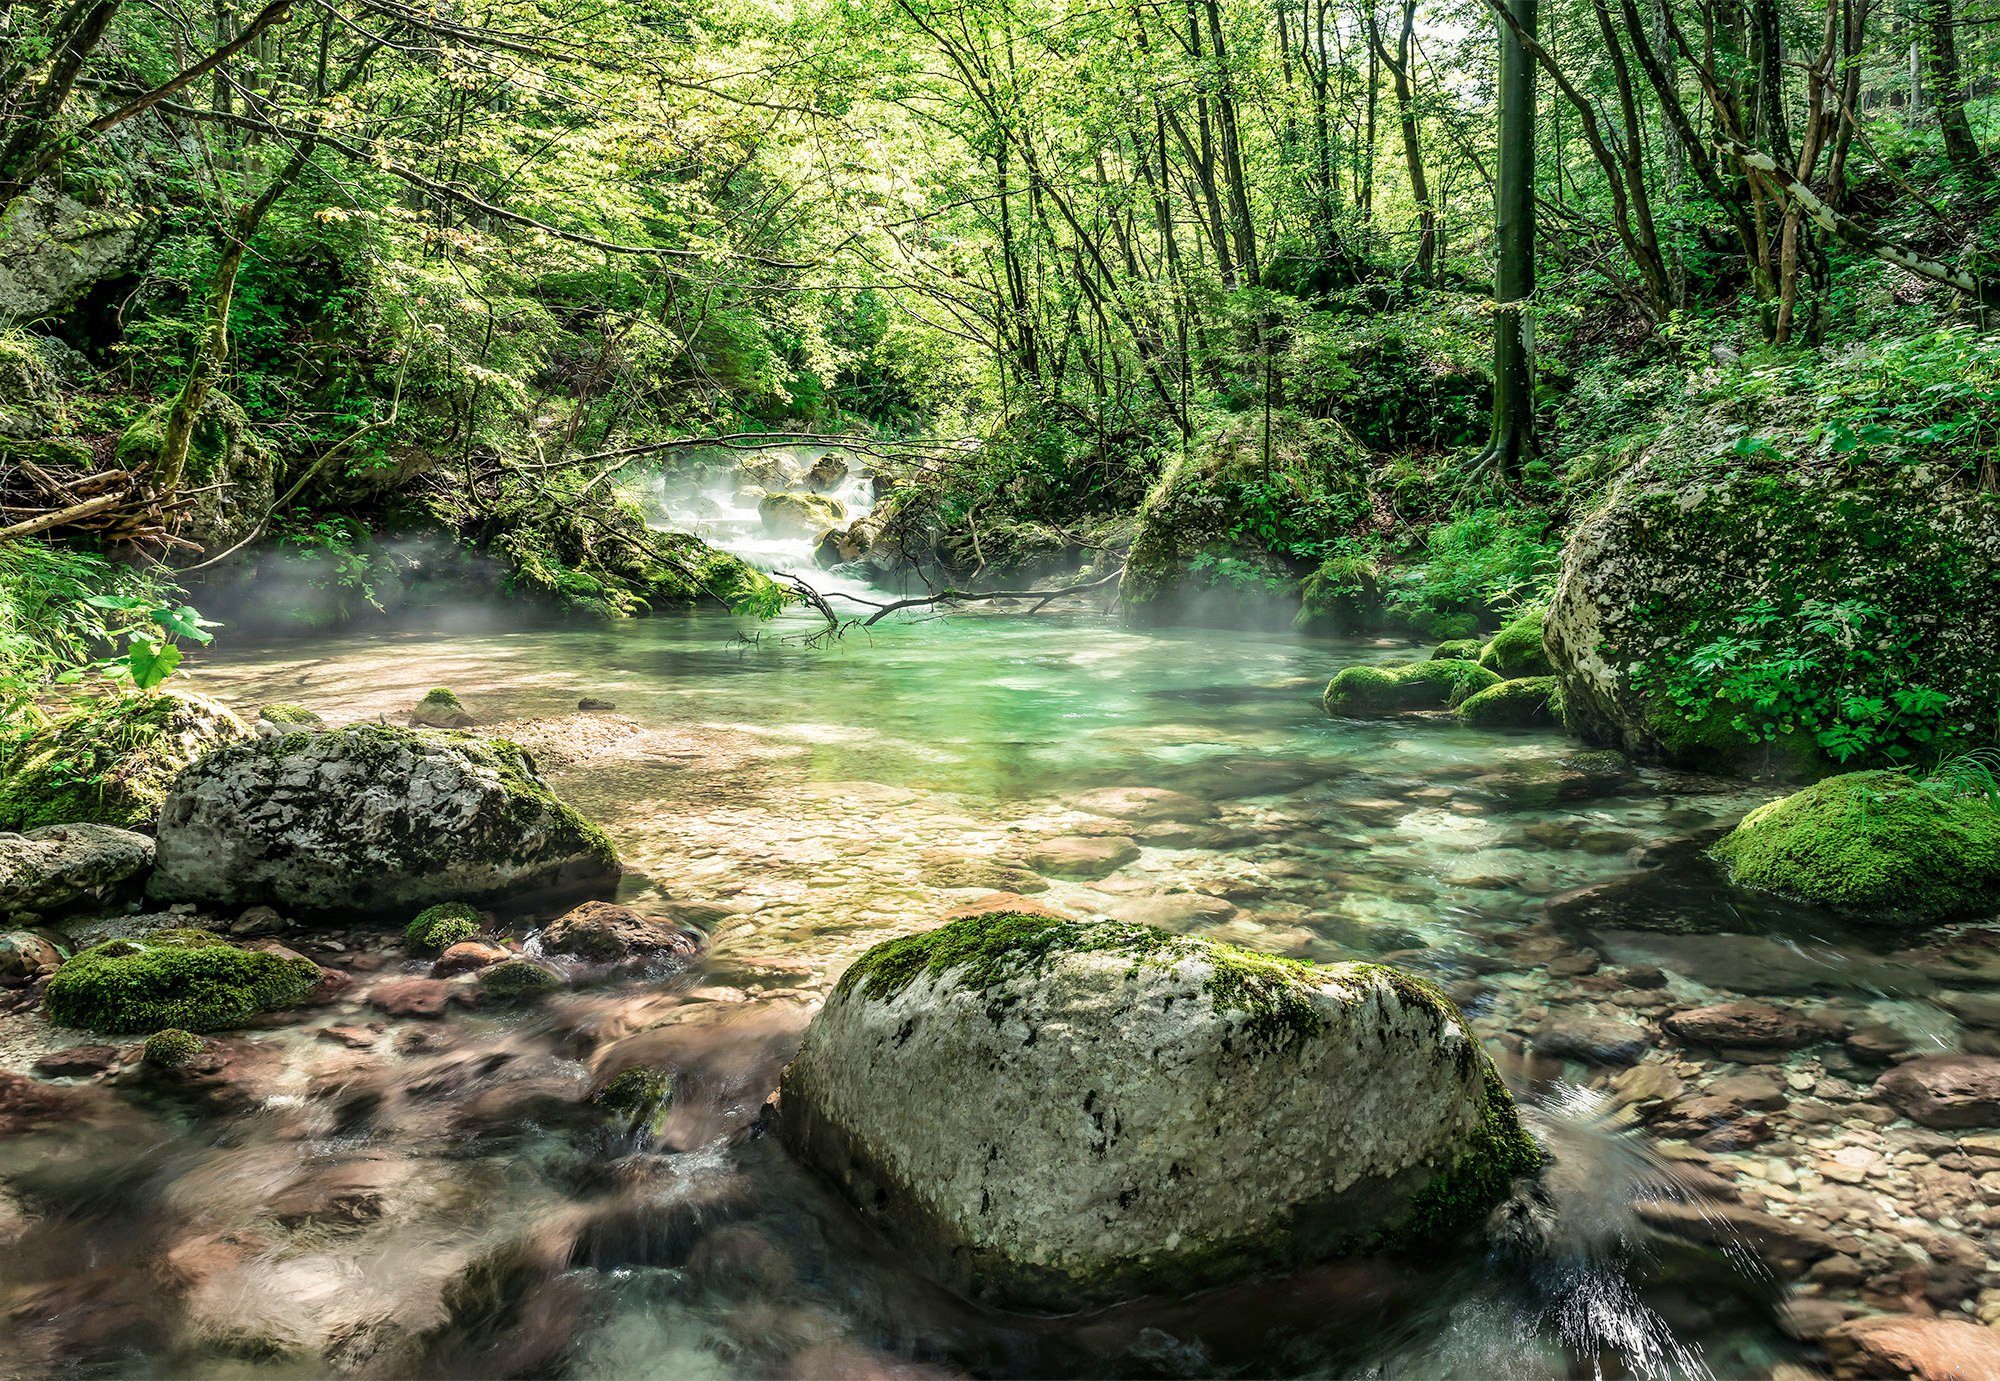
(1516, 650)
(1769, 608)
(1344, 595)
(1532, 702)
(110, 761)
(1156, 1113)
(371, 818)
(230, 477)
(189, 979)
(440, 709)
(171, 1048)
(801, 515)
(1881, 845)
(1458, 650)
(1394, 687)
(286, 715)
(438, 928)
(518, 980)
(1223, 534)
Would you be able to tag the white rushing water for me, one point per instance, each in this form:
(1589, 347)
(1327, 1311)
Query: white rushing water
(714, 495)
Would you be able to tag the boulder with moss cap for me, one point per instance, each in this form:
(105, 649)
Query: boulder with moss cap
(372, 819)
(109, 761)
(1151, 1112)
(440, 709)
(1393, 688)
(1881, 845)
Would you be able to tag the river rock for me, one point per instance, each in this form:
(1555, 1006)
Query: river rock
(1083, 856)
(600, 932)
(1153, 1112)
(110, 762)
(1745, 1025)
(1945, 1090)
(52, 868)
(1906, 1345)
(1880, 846)
(1593, 1039)
(800, 515)
(1147, 804)
(371, 819)
(26, 956)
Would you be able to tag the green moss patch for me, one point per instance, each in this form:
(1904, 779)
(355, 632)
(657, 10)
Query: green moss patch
(1458, 650)
(110, 761)
(1497, 1152)
(1533, 702)
(1872, 842)
(1517, 650)
(188, 979)
(1277, 995)
(289, 715)
(171, 1048)
(518, 980)
(1391, 688)
(440, 927)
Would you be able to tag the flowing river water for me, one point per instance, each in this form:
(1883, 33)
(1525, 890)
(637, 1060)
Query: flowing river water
(384, 1195)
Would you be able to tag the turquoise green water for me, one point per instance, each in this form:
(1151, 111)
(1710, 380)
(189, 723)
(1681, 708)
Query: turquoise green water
(814, 800)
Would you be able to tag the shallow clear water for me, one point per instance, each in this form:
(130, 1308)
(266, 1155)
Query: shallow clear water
(825, 798)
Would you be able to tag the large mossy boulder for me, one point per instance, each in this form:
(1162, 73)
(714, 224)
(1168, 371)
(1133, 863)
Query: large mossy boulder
(371, 818)
(1055, 1113)
(1881, 845)
(230, 478)
(109, 761)
(1223, 534)
(1395, 688)
(186, 979)
(1732, 608)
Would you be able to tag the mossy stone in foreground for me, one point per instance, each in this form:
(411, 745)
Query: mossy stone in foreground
(1879, 844)
(1533, 702)
(189, 979)
(371, 818)
(1389, 688)
(1517, 650)
(1458, 650)
(440, 927)
(171, 1048)
(518, 980)
(1057, 1113)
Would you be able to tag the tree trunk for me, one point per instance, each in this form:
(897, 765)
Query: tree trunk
(1513, 443)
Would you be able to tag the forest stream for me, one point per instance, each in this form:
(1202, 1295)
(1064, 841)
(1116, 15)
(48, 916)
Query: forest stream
(801, 803)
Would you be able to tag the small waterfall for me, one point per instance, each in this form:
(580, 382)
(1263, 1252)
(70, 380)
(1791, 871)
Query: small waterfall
(714, 494)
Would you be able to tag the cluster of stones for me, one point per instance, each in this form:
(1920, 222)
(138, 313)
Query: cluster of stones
(1505, 682)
